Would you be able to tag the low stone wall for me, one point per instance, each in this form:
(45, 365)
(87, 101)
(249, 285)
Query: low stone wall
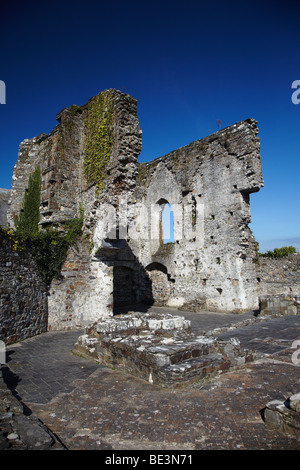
(280, 305)
(279, 275)
(23, 295)
(284, 415)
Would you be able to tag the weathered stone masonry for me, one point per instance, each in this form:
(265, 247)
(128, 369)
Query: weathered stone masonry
(279, 275)
(23, 296)
(4, 197)
(207, 183)
(210, 263)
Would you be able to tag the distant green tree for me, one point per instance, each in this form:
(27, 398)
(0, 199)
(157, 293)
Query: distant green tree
(27, 222)
(279, 252)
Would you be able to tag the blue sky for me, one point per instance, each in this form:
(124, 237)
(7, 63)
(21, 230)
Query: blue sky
(188, 63)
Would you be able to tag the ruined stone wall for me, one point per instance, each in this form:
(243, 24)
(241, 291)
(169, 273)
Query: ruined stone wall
(281, 304)
(120, 259)
(4, 198)
(279, 275)
(60, 156)
(84, 292)
(59, 193)
(207, 184)
(23, 295)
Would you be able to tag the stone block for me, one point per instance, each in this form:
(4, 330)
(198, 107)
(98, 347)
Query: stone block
(271, 415)
(294, 402)
(284, 415)
(32, 433)
(291, 310)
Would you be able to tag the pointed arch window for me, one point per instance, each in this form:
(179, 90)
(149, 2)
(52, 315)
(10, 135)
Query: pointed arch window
(166, 223)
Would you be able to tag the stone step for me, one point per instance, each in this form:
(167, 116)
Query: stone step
(181, 357)
(177, 351)
(151, 322)
(191, 370)
(166, 350)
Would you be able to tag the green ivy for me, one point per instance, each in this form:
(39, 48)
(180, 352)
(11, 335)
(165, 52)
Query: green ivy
(74, 109)
(74, 228)
(99, 138)
(49, 248)
(27, 222)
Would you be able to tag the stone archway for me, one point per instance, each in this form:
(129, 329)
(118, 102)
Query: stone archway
(161, 285)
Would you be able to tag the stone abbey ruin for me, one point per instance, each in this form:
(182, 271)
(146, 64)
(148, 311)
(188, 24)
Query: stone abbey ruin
(120, 264)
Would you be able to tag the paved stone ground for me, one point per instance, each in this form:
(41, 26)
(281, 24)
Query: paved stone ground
(93, 407)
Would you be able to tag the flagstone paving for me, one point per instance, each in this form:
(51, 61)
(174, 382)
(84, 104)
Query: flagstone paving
(88, 406)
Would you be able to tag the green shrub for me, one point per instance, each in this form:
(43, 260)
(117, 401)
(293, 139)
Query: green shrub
(50, 248)
(74, 108)
(279, 252)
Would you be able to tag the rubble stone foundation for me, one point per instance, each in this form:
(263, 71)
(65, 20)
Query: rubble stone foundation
(160, 348)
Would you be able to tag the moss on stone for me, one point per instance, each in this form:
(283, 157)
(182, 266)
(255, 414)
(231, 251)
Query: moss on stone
(74, 109)
(142, 175)
(99, 138)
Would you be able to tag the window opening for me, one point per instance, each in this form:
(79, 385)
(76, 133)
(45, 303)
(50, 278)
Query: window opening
(167, 224)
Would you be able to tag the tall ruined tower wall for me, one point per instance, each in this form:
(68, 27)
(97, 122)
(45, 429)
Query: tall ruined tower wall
(61, 157)
(84, 291)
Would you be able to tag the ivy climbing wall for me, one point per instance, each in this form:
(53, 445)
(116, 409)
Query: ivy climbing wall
(93, 150)
(88, 159)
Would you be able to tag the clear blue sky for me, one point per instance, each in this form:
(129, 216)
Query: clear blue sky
(188, 63)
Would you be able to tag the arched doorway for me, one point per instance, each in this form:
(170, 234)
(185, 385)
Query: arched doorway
(161, 285)
(123, 287)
